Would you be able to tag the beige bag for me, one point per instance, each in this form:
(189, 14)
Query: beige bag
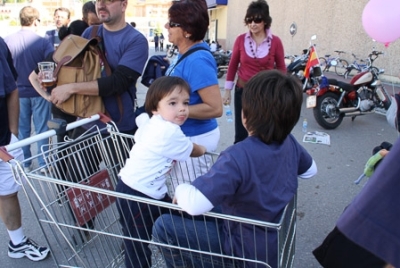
(79, 60)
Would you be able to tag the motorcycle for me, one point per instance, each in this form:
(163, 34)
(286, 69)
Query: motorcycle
(306, 66)
(333, 100)
(222, 59)
(298, 63)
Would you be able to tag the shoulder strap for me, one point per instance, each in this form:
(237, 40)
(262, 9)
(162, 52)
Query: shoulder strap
(94, 34)
(190, 51)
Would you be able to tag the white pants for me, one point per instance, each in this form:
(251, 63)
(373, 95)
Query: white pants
(8, 184)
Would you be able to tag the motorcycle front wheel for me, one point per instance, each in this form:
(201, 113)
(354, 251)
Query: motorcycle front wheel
(326, 113)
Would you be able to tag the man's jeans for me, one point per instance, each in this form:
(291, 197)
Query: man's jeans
(39, 109)
(205, 235)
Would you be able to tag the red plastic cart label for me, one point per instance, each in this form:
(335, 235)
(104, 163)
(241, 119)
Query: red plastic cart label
(87, 204)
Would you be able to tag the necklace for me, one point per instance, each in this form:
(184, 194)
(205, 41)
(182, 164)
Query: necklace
(252, 50)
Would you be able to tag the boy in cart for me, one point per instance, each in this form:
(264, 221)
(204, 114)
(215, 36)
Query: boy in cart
(159, 142)
(255, 179)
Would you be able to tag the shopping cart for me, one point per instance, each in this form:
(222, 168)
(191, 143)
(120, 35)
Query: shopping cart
(74, 201)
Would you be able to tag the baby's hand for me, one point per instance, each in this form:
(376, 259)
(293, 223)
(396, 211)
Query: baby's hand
(198, 150)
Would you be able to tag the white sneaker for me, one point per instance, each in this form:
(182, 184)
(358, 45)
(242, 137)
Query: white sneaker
(27, 248)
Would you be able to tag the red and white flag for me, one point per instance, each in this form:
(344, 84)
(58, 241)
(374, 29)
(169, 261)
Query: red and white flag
(312, 61)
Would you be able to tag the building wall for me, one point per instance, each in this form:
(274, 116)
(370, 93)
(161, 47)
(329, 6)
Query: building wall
(337, 24)
(219, 15)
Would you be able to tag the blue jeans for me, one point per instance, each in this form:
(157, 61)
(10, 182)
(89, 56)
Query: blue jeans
(205, 235)
(136, 220)
(39, 109)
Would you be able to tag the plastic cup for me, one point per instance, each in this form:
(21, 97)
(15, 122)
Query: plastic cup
(46, 69)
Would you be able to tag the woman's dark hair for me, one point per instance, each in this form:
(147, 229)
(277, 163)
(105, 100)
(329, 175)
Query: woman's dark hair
(192, 15)
(259, 9)
(88, 7)
(160, 88)
(77, 27)
(271, 105)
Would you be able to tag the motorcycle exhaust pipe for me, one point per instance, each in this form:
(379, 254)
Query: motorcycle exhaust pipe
(357, 113)
(348, 110)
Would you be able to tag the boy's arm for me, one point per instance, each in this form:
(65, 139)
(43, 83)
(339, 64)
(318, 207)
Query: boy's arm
(310, 172)
(198, 150)
(191, 200)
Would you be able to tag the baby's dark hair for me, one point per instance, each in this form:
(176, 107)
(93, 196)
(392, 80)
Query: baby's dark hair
(271, 105)
(77, 27)
(160, 88)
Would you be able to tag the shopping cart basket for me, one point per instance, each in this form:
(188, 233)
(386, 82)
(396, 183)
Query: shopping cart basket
(284, 229)
(74, 201)
(67, 199)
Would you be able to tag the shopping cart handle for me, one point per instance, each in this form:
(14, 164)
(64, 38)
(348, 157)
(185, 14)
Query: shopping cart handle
(4, 155)
(52, 132)
(59, 125)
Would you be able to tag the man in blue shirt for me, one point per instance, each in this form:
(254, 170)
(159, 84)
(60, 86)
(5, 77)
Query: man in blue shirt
(126, 51)
(28, 49)
(61, 18)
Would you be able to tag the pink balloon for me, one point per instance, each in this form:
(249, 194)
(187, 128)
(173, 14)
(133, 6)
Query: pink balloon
(381, 20)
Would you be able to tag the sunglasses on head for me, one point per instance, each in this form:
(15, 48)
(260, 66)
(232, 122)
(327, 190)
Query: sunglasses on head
(256, 20)
(173, 24)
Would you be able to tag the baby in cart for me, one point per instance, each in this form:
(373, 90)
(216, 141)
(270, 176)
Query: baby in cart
(159, 142)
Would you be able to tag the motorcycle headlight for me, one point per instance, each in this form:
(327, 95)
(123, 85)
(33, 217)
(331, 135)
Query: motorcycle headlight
(300, 74)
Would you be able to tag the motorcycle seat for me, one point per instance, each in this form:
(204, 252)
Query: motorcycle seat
(345, 86)
(332, 81)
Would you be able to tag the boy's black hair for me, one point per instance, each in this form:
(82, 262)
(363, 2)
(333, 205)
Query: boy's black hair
(160, 88)
(271, 105)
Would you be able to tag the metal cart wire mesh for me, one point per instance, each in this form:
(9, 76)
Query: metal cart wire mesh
(74, 201)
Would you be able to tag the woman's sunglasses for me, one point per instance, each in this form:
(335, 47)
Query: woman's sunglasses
(173, 24)
(256, 20)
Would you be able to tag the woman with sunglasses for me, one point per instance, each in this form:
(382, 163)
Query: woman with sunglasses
(187, 26)
(254, 51)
